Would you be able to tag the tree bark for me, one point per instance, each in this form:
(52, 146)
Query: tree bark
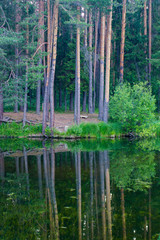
(71, 102)
(108, 62)
(150, 38)
(84, 101)
(77, 78)
(46, 93)
(18, 19)
(53, 67)
(90, 107)
(26, 80)
(145, 34)
(95, 60)
(101, 88)
(122, 41)
(40, 42)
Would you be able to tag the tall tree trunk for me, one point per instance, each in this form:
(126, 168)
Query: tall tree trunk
(108, 61)
(53, 67)
(1, 103)
(84, 101)
(40, 42)
(26, 80)
(95, 60)
(77, 78)
(65, 100)
(114, 60)
(145, 34)
(122, 41)
(90, 107)
(150, 38)
(101, 88)
(18, 19)
(71, 102)
(46, 93)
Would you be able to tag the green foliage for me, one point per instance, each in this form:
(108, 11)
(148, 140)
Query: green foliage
(14, 129)
(132, 106)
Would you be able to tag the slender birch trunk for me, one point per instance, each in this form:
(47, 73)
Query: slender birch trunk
(77, 79)
(122, 41)
(108, 62)
(53, 66)
(150, 38)
(90, 107)
(101, 87)
(95, 60)
(26, 80)
(85, 44)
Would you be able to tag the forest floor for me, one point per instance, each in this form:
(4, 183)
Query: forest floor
(61, 119)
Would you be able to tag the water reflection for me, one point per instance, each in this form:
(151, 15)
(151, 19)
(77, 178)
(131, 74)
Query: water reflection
(79, 195)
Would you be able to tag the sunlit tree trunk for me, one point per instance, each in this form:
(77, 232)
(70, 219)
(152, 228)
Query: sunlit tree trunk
(150, 38)
(53, 66)
(122, 41)
(77, 78)
(90, 107)
(101, 87)
(108, 61)
(26, 80)
(46, 93)
(95, 59)
(40, 42)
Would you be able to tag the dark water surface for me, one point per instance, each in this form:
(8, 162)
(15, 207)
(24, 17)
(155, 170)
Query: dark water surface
(80, 190)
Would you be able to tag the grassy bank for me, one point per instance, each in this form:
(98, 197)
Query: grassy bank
(84, 130)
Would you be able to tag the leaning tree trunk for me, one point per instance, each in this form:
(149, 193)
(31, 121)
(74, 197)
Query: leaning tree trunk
(101, 87)
(90, 108)
(53, 67)
(108, 61)
(122, 41)
(26, 80)
(150, 38)
(77, 79)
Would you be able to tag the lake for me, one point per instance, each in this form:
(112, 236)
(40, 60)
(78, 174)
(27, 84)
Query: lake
(90, 189)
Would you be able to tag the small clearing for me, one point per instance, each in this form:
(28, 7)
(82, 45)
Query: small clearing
(61, 119)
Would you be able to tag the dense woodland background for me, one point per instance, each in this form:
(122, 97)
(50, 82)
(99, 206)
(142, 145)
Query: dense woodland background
(73, 54)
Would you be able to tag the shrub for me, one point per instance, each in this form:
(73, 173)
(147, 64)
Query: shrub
(132, 106)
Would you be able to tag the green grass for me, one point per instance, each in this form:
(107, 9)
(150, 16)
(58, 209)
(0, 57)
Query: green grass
(98, 130)
(14, 129)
